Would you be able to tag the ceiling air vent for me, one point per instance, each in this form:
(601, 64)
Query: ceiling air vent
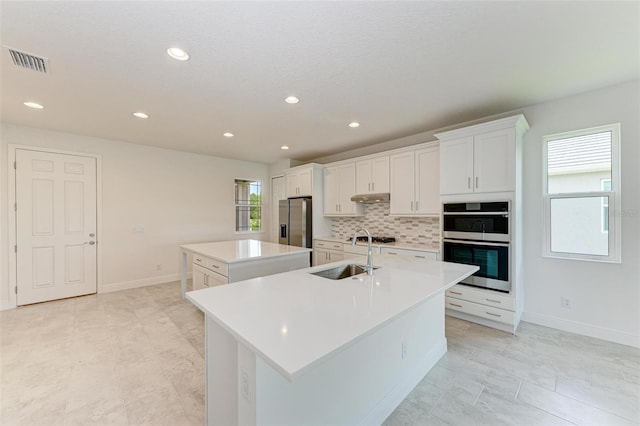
(29, 61)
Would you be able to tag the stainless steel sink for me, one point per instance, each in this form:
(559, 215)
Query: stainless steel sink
(342, 271)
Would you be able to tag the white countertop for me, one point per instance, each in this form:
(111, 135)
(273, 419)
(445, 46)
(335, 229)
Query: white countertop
(242, 250)
(295, 320)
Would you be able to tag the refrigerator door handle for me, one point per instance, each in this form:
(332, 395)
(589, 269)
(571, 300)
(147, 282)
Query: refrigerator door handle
(283, 230)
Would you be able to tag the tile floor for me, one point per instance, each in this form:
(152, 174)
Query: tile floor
(135, 357)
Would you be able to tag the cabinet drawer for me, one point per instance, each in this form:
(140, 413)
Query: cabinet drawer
(217, 266)
(483, 311)
(418, 254)
(328, 245)
(211, 264)
(483, 297)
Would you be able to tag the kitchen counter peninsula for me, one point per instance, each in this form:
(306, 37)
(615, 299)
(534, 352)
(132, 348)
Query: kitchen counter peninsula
(230, 261)
(295, 348)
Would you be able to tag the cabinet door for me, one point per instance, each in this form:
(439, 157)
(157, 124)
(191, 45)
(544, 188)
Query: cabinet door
(428, 181)
(335, 256)
(363, 177)
(493, 161)
(212, 279)
(380, 175)
(402, 183)
(198, 281)
(456, 166)
(320, 256)
(346, 188)
(292, 182)
(331, 191)
(305, 186)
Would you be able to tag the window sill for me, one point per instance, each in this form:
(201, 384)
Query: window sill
(581, 259)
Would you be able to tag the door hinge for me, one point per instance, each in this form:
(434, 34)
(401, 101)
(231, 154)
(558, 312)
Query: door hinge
(15, 207)
(16, 287)
(15, 166)
(15, 248)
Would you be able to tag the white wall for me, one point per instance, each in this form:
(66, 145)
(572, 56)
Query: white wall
(176, 196)
(605, 297)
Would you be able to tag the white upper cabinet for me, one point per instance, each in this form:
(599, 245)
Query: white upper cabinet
(299, 182)
(339, 187)
(480, 158)
(415, 181)
(372, 176)
(428, 181)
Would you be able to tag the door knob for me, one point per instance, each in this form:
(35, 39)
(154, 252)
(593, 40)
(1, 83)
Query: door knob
(92, 235)
(90, 242)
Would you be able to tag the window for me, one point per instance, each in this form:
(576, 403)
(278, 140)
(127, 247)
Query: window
(248, 205)
(581, 194)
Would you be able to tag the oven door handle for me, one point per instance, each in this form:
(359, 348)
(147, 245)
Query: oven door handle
(476, 243)
(504, 214)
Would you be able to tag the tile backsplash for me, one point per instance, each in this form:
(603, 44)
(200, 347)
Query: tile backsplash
(418, 230)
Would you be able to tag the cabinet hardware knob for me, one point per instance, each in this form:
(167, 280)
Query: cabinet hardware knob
(493, 315)
(476, 181)
(457, 306)
(493, 301)
(468, 183)
(420, 257)
(455, 292)
(199, 260)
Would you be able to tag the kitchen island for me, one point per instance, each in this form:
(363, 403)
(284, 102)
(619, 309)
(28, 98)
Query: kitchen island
(296, 348)
(229, 261)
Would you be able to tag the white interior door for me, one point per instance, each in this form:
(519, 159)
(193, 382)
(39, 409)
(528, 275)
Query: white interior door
(55, 226)
(278, 192)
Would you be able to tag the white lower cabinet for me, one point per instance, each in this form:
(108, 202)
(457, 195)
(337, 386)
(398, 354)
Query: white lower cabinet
(203, 278)
(481, 303)
(326, 251)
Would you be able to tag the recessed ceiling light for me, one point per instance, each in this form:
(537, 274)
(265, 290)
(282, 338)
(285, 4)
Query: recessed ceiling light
(284, 147)
(140, 115)
(227, 135)
(177, 53)
(291, 100)
(354, 124)
(33, 105)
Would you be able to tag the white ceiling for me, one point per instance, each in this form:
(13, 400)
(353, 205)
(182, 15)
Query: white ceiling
(399, 68)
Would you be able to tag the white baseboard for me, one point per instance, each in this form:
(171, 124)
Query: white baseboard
(144, 282)
(583, 329)
(384, 408)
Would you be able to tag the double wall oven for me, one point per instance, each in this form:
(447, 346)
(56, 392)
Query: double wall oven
(478, 234)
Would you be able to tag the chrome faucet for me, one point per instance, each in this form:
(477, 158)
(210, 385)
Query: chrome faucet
(369, 251)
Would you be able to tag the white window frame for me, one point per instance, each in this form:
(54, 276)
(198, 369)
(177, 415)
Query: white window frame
(604, 205)
(614, 245)
(236, 205)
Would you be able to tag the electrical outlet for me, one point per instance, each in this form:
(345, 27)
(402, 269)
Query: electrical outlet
(565, 302)
(404, 349)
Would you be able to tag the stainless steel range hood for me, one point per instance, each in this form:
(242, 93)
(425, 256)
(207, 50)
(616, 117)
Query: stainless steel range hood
(371, 198)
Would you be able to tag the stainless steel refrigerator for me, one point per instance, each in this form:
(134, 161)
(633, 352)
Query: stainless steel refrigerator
(295, 222)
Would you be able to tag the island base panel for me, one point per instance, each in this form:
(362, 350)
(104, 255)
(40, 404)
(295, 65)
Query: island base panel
(361, 384)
